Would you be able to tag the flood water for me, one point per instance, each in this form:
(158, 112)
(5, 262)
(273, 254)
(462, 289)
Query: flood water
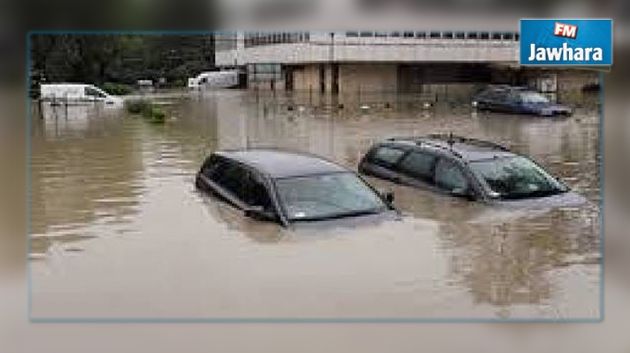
(119, 231)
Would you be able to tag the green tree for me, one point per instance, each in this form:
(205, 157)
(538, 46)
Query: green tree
(120, 58)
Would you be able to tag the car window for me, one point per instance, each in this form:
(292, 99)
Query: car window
(387, 156)
(323, 196)
(213, 168)
(419, 165)
(533, 97)
(230, 176)
(517, 177)
(449, 176)
(513, 97)
(244, 184)
(255, 193)
(485, 94)
(499, 95)
(89, 91)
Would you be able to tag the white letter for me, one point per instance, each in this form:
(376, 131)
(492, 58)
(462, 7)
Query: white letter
(597, 55)
(567, 53)
(554, 53)
(532, 50)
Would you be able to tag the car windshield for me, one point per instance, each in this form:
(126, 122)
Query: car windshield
(323, 196)
(517, 178)
(533, 97)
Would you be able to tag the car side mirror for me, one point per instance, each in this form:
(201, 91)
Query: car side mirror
(388, 196)
(258, 212)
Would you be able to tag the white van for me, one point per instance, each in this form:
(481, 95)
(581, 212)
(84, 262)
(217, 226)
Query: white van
(76, 93)
(214, 79)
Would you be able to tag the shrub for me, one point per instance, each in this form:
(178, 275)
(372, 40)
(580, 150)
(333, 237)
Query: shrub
(137, 106)
(147, 109)
(180, 83)
(153, 114)
(157, 115)
(118, 89)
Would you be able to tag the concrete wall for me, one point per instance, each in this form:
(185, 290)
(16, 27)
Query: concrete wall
(569, 80)
(277, 85)
(432, 82)
(384, 50)
(352, 79)
(566, 79)
(306, 77)
(356, 78)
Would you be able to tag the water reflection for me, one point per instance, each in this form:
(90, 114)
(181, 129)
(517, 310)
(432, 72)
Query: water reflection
(92, 166)
(504, 256)
(119, 181)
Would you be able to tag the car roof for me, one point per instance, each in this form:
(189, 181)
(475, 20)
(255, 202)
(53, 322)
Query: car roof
(505, 88)
(66, 84)
(282, 164)
(468, 149)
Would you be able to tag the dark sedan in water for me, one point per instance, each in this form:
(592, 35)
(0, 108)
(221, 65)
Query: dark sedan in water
(288, 187)
(467, 168)
(518, 100)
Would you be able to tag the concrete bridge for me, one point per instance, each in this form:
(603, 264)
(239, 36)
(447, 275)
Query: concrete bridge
(369, 47)
(355, 62)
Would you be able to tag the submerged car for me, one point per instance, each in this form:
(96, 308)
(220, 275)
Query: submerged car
(76, 93)
(518, 100)
(467, 168)
(288, 187)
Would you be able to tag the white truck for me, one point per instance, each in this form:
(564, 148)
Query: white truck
(214, 79)
(76, 93)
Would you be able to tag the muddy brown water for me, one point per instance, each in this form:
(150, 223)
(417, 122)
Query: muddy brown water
(119, 231)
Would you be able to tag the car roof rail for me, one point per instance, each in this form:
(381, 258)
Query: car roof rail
(451, 139)
(421, 140)
(448, 148)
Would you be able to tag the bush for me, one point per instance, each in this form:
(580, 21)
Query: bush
(118, 89)
(137, 106)
(180, 83)
(157, 115)
(147, 109)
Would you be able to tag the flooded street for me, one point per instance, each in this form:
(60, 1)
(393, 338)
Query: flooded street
(118, 229)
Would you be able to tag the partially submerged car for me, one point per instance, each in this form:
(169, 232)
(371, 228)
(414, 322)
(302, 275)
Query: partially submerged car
(288, 187)
(467, 168)
(76, 93)
(517, 100)
(214, 79)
